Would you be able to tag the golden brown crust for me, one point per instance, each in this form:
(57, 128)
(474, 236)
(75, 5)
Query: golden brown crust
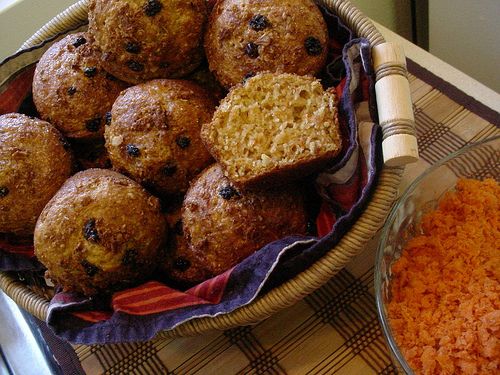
(245, 37)
(273, 129)
(34, 163)
(72, 91)
(154, 134)
(225, 225)
(100, 232)
(146, 39)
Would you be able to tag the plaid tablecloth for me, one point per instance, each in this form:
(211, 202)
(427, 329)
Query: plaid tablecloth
(334, 330)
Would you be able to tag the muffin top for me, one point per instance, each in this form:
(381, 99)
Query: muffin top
(99, 232)
(146, 39)
(245, 37)
(224, 225)
(72, 91)
(154, 133)
(34, 162)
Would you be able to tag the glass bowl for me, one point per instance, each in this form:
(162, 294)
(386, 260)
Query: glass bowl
(478, 161)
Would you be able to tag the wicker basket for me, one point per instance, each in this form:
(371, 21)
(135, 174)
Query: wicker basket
(399, 148)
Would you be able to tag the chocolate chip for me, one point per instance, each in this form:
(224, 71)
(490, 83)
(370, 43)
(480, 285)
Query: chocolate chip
(135, 66)
(228, 192)
(90, 72)
(107, 118)
(169, 169)
(71, 91)
(93, 124)
(181, 264)
(79, 41)
(152, 8)
(259, 22)
(90, 269)
(133, 150)
(65, 143)
(133, 48)
(313, 46)
(4, 190)
(90, 231)
(163, 65)
(129, 258)
(252, 50)
(183, 142)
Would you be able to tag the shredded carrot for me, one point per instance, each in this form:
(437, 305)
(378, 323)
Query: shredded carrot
(445, 305)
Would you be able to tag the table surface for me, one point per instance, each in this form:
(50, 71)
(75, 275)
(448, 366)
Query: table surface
(334, 330)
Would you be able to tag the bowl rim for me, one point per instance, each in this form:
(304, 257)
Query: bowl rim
(383, 318)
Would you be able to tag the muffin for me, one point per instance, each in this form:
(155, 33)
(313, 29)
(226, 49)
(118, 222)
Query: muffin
(72, 91)
(99, 233)
(145, 39)
(179, 266)
(154, 133)
(273, 129)
(245, 37)
(35, 160)
(224, 224)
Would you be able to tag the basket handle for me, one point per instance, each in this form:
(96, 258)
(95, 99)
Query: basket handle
(395, 109)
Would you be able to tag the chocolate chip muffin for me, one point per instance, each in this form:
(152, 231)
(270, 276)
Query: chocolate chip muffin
(101, 232)
(72, 91)
(224, 224)
(146, 39)
(245, 37)
(179, 266)
(273, 129)
(154, 133)
(35, 160)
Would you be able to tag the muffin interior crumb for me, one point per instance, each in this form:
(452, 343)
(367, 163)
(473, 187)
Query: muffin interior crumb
(275, 121)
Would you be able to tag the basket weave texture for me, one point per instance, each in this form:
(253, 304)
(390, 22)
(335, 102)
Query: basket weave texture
(296, 288)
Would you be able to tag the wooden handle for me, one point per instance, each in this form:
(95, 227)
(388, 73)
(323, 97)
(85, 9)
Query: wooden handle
(395, 110)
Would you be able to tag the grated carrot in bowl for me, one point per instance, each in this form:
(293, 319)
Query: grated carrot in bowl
(445, 305)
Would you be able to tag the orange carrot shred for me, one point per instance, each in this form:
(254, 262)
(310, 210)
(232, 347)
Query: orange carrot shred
(445, 306)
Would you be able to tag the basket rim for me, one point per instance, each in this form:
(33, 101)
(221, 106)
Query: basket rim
(292, 290)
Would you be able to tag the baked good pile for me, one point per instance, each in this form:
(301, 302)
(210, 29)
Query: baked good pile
(173, 140)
